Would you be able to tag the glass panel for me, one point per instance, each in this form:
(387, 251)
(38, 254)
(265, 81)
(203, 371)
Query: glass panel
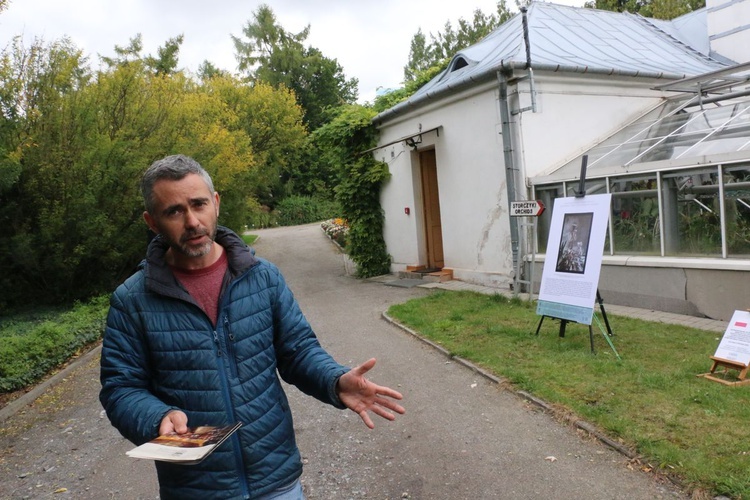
(635, 215)
(725, 129)
(663, 134)
(737, 210)
(694, 227)
(625, 143)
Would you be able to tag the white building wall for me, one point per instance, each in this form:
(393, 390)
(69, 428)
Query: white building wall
(471, 171)
(471, 182)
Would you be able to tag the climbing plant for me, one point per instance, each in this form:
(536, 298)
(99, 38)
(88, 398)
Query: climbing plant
(360, 178)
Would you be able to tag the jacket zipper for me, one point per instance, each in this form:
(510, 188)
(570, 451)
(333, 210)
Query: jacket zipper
(232, 362)
(231, 359)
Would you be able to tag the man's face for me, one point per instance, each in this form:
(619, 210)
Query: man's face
(185, 214)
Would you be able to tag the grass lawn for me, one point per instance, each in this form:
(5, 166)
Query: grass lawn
(249, 238)
(650, 400)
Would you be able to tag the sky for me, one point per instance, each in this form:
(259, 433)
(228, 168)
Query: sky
(370, 39)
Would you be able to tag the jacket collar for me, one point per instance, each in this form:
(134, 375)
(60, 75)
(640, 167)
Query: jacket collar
(159, 277)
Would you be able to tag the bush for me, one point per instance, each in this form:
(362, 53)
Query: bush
(260, 215)
(295, 210)
(31, 348)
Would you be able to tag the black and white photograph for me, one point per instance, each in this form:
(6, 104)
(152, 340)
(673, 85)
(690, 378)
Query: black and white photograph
(574, 243)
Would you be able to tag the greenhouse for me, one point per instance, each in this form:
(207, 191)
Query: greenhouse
(679, 176)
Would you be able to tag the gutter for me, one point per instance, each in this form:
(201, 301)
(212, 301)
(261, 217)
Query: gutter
(417, 101)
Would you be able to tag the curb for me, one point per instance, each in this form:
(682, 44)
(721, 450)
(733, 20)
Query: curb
(28, 398)
(580, 424)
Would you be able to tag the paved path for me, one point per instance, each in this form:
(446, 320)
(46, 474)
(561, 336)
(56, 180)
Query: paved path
(463, 437)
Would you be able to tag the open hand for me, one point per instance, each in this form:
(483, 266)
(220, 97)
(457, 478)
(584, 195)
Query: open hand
(360, 395)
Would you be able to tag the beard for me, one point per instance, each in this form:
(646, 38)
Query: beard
(190, 250)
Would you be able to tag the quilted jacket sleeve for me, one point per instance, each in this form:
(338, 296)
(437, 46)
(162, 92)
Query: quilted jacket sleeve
(301, 359)
(125, 375)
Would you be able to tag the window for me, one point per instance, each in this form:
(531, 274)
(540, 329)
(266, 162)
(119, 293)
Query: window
(635, 215)
(737, 210)
(692, 216)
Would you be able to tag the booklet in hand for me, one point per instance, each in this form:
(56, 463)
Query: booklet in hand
(187, 449)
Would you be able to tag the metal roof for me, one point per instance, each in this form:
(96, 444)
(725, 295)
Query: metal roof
(576, 40)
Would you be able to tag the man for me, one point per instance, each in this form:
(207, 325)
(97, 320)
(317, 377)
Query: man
(196, 337)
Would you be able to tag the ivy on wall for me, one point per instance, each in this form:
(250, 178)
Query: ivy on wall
(360, 178)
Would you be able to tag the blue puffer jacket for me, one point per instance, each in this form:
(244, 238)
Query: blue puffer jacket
(161, 352)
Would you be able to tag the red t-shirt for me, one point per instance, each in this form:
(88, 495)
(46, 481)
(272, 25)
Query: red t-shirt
(204, 285)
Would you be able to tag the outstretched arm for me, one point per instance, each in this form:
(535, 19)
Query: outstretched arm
(360, 395)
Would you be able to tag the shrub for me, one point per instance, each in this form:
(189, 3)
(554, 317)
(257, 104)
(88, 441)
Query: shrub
(32, 348)
(260, 215)
(295, 210)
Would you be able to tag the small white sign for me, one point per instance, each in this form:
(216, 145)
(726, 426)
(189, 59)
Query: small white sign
(526, 208)
(735, 344)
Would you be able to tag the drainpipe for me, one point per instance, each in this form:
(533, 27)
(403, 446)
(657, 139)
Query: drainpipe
(513, 180)
(510, 168)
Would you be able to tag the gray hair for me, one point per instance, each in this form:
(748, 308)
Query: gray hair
(173, 168)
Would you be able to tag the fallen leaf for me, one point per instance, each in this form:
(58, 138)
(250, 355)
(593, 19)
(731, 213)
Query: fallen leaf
(61, 490)
(550, 458)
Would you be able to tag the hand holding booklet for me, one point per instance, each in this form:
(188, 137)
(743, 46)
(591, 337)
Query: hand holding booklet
(188, 449)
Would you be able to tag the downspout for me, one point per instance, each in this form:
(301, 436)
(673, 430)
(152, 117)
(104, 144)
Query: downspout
(510, 168)
(512, 174)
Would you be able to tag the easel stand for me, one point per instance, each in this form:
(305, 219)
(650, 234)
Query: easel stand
(727, 365)
(564, 323)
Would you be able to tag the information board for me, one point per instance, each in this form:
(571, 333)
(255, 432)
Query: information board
(735, 344)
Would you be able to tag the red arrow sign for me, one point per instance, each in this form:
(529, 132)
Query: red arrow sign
(526, 208)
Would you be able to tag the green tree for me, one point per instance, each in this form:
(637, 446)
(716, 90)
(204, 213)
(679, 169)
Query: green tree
(269, 53)
(659, 9)
(167, 58)
(73, 145)
(445, 44)
(42, 87)
(126, 55)
(73, 215)
(420, 57)
(208, 70)
(390, 99)
(272, 121)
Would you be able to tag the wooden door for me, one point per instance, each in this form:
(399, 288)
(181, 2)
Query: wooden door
(433, 227)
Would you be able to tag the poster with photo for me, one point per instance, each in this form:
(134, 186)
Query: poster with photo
(574, 243)
(572, 265)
